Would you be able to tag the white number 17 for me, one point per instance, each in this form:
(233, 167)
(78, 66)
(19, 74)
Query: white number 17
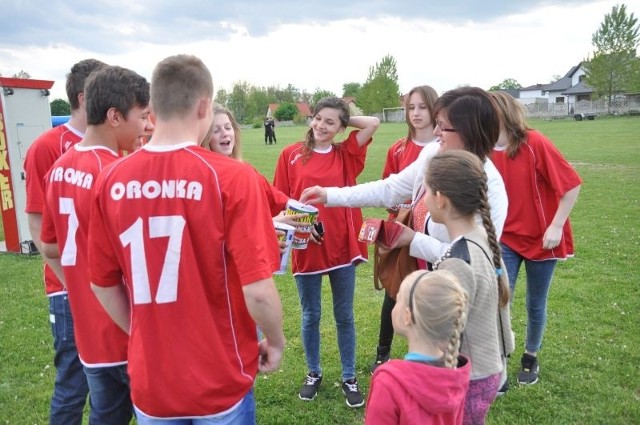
(164, 226)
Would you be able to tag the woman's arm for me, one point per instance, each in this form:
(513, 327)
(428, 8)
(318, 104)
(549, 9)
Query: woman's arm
(367, 125)
(380, 193)
(553, 234)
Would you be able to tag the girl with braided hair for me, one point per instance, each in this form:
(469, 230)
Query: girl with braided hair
(456, 192)
(430, 384)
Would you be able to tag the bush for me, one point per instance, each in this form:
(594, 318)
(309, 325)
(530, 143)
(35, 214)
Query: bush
(286, 112)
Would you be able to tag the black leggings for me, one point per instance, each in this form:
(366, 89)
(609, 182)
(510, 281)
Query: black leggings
(386, 325)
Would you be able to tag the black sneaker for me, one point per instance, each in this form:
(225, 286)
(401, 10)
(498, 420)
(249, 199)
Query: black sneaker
(504, 388)
(353, 395)
(309, 389)
(530, 368)
(382, 356)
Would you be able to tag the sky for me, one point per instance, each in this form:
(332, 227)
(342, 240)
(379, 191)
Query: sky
(311, 45)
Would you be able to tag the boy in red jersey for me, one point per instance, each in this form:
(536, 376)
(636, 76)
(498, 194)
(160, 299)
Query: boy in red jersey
(70, 388)
(117, 110)
(190, 234)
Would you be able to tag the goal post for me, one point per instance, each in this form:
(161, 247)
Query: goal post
(393, 114)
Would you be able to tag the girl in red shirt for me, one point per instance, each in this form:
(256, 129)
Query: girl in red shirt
(542, 188)
(318, 160)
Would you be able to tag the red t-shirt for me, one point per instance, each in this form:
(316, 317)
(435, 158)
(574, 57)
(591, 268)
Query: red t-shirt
(41, 155)
(65, 221)
(402, 153)
(186, 228)
(338, 167)
(535, 179)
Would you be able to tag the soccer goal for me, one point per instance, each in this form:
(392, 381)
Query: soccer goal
(393, 114)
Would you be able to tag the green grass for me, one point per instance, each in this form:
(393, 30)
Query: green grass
(590, 359)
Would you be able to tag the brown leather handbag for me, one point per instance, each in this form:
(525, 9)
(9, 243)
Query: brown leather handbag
(391, 266)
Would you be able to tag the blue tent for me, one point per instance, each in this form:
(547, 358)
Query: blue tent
(59, 120)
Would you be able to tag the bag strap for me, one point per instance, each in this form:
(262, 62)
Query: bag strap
(376, 276)
(504, 345)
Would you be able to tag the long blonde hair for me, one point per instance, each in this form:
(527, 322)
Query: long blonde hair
(438, 306)
(236, 153)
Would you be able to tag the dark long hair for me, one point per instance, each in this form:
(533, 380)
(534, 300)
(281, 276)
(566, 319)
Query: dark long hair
(474, 114)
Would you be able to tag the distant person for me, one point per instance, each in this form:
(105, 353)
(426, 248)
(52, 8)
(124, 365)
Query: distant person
(429, 386)
(187, 233)
(420, 117)
(116, 101)
(269, 131)
(319, 159)
(542, 188)
(70, 389)
(272, 124)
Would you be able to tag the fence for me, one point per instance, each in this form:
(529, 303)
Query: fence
(549, 111)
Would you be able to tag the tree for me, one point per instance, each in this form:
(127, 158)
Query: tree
(381, 90)
(222, 97)
(351, 89)
(60, 107)
(22, 74)
(318, 95)
(286, 112)
(508, 83)
(614, 67)
(237, 101)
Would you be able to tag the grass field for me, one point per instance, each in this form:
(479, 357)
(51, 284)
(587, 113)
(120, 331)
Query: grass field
(590, 371)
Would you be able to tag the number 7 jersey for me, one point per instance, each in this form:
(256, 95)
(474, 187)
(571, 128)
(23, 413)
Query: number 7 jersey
(65, 221)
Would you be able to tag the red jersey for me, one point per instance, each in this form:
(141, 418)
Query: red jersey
(65, 221)
(41, 155)
(535, 180)
(338, 167)
(276, 199)
(402, 153)
(186, 228)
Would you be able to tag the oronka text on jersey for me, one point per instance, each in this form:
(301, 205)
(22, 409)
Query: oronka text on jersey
(71, 176)
(152, 189)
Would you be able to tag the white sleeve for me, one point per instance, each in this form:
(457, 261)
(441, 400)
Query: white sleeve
(427, 247)
(391, 191)
(498, 201)
(431, 248)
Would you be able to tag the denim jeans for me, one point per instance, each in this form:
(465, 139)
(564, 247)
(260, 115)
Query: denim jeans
(70, 389)
(244, 413)
(109, 396)
(539, 275)
(342, 289)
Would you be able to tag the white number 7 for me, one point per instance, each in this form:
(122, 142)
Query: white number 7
(70, 250)
(163, 226)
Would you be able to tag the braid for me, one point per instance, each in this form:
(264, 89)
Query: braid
(452, 351)
(485, 213)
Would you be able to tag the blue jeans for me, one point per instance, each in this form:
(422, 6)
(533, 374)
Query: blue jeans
(342, 289)
(243, 414)
(539, 275)
(109, 395)
(70, 389)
